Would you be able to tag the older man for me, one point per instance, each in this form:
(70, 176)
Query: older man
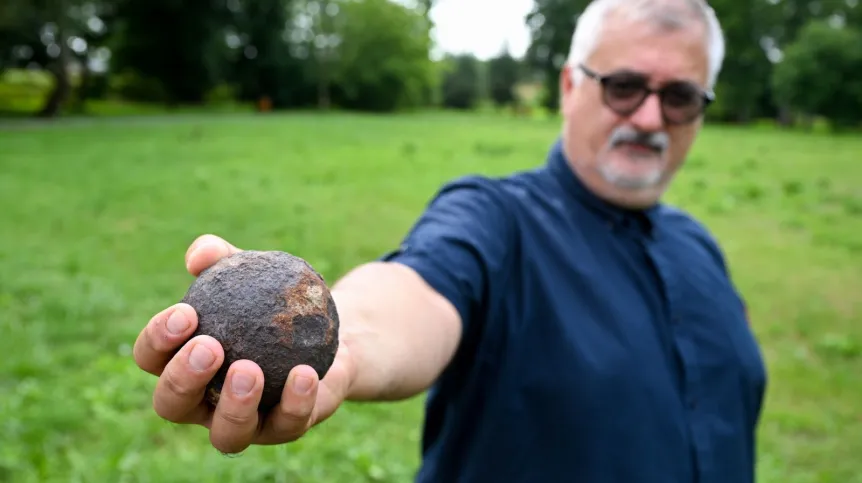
(568, 325)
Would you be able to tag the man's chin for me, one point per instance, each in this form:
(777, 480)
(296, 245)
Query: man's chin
(644, 180)
(633, 192)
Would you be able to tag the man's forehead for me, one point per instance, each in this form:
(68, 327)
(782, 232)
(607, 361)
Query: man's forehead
(641, 45)
(637, 8)
(620, 30)
(662, 14)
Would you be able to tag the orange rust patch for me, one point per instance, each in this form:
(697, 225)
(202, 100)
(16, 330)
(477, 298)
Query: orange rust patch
(330, 332)
(306, 297)
(286, 322)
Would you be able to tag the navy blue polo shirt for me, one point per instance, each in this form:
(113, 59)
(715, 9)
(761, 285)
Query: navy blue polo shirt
(600, 345)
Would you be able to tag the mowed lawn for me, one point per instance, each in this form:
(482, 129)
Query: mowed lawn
(96, 218)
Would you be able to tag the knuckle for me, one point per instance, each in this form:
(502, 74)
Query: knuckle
(296, 416)
(178, 388)
(289, 434)
(146, 357)
(237, 418)
(164, 411)
(293, 436)
(293, 425)
(139, 359)
(157, 336)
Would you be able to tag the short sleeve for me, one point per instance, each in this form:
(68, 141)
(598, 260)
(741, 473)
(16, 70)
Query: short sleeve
(461, 243)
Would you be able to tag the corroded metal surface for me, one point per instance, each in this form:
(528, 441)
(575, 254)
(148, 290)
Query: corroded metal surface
(268, 307)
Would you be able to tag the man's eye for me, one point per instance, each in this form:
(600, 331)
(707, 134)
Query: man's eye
(680, 96)
(626, 88)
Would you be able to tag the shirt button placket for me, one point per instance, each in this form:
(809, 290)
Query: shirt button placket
(683, 346)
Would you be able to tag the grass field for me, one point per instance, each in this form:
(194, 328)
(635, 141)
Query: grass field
(96, 217)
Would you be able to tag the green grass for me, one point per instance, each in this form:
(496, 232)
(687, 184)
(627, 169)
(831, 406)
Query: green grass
(97, 215)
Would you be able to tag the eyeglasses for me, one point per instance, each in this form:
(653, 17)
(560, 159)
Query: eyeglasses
(624, 92)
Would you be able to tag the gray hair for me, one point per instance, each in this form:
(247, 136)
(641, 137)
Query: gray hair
(666, 14)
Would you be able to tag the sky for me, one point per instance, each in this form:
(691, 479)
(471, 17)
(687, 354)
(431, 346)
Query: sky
(481, 27)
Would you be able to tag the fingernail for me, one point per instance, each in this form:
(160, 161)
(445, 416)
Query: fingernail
(192, 257)
(177, 323)
(302, 385)
(200, 248)
(201, 358)
(241, 383)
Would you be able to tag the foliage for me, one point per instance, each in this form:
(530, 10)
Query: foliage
(461, 82)
(745, 73)
(551, 24)
(295, 54)
(757, 33)
(820, 73)
(383, 62)
(259, 59)
(50, 35)
(185, 54)
(503, 76)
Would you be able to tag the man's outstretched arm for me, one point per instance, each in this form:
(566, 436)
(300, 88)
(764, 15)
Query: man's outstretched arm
(402, 321)
(399, 331)
(397, 334)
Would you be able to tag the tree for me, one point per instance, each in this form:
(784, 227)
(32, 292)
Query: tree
(747, 66)
(551, 24)
(821, 73)
(503, 76)
(461, 82)
(382, 60)
(261, 62)
(313, 38)
(178, 46)
(51, 34)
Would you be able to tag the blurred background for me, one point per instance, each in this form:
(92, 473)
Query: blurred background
(322, 128)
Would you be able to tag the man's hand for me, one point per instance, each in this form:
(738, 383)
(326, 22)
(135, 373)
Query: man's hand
(183, 375)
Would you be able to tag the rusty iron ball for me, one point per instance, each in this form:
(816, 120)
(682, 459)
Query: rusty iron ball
(269, 307)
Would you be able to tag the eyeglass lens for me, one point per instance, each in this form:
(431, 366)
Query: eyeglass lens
(625, 92)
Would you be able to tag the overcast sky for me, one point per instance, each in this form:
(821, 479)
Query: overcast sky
(481, 27)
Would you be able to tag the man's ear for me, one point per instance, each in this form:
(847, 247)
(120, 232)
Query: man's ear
(567, 84)
(566, 80)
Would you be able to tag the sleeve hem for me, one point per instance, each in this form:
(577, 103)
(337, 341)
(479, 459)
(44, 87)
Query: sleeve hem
(434, 277)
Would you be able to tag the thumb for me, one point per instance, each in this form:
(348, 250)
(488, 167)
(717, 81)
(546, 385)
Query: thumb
(205, 251)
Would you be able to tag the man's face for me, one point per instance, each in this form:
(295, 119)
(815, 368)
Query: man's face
(598, 139)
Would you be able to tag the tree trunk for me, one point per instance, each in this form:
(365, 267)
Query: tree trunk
(785, 116)
(323, 98)
(81, 97)
(62, 84)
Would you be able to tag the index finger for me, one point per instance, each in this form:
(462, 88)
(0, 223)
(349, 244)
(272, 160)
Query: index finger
(163, 335)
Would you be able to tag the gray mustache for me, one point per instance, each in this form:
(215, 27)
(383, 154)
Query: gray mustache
(624, 134)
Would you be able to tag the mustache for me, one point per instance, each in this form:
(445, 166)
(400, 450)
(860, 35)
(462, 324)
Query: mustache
(658, 141)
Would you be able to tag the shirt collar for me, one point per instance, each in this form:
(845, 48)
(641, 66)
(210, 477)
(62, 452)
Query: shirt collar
(616, 217)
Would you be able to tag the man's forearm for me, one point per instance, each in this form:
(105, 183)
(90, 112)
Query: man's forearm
(399, 333)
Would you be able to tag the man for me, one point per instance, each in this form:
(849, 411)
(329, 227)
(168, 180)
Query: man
(568, 326)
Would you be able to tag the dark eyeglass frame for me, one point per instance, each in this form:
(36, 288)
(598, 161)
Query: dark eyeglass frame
(671, 114)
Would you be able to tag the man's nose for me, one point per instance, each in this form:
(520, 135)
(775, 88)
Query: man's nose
(648, 117)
